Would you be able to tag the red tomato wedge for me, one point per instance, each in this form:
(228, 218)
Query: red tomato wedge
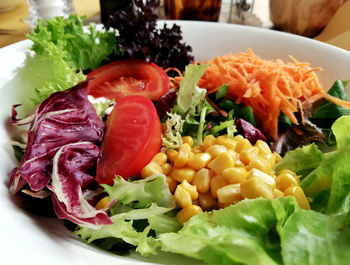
(132, 138)
(128, 77)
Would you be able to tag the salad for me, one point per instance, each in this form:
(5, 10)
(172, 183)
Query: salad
(142, 149)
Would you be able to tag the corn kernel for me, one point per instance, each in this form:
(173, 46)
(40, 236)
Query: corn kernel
(229, 194)
(187, 213)
(267, 179)
(172, 184)
(172, 154)
(188, 140)
(272, 159)
(226, 141)
(202, 180)
(249, 154)
(192, 190)
(299, 194)
(263, 147)
(254, 188)
(239, 163)
(221, 162)
(262, 164)
(285, 180)
(235, 174)
(160, 158)
(103, 203)
(197, 149)
(242, 144)
(182, 156)
(182, 197)
(208, 141)
(292, 173)
(150, 169)
(166, 167)
(216, 150)
(233, 154)
(181, 174)
(223, 205)
(207, 201)
(216, 183)
(198, 161)
(212, 173)
(277, 193)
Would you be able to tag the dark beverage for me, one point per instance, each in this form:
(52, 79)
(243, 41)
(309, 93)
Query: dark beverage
(208, 10)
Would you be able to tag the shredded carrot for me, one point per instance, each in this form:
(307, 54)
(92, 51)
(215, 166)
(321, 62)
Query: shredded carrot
(269, 86)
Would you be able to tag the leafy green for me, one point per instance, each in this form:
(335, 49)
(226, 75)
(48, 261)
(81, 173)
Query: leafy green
(142, 207)
(333, 173)
(190, 95)
(327, 175)
(263, 232)
(222, 92)
(228, 124)
(140, 193)
(51, 72)
(309, 237)
(83, 49)
(101, 105)
(173, 128)
(246, 113)
(301, 160)
(329, 110)
(62, 50)
(325, 115)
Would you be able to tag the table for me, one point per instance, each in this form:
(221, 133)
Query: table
(15, 20)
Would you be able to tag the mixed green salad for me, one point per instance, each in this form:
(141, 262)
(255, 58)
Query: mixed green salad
(91, 136)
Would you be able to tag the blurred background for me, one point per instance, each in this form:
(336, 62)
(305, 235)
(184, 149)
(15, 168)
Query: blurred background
(325, 20)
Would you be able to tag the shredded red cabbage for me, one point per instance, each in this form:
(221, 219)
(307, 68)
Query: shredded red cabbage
(70, 173)
(62, 149)
(63, 118)
(249, 131)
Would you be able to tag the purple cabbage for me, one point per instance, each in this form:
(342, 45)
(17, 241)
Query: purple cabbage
(249, 131)
(63, 118)
(61, 155)
(165, 103)
(70, 173)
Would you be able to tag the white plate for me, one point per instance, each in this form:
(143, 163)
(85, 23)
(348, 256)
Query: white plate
(29, 239)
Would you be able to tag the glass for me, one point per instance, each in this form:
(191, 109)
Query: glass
(208, 10)
(47, 9)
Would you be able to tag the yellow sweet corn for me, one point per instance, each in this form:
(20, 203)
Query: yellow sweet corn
(182, 197)
(187, 213)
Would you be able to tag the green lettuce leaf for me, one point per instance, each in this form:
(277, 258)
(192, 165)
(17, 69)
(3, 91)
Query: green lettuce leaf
(190, 95)
(301, 160)
(171, 138)
(264, 232)
(309, 237)
(326, 175)
(84, 49)
(62, 50)
(141, 193)
(143, 207)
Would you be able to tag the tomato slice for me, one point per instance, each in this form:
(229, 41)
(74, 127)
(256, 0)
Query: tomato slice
(132, 138)
(128, 77)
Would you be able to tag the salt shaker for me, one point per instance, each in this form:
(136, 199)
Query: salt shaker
(47, 9)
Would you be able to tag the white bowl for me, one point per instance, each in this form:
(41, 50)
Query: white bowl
(30, 239)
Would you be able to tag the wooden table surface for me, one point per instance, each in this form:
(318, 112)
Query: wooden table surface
(14, 21)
